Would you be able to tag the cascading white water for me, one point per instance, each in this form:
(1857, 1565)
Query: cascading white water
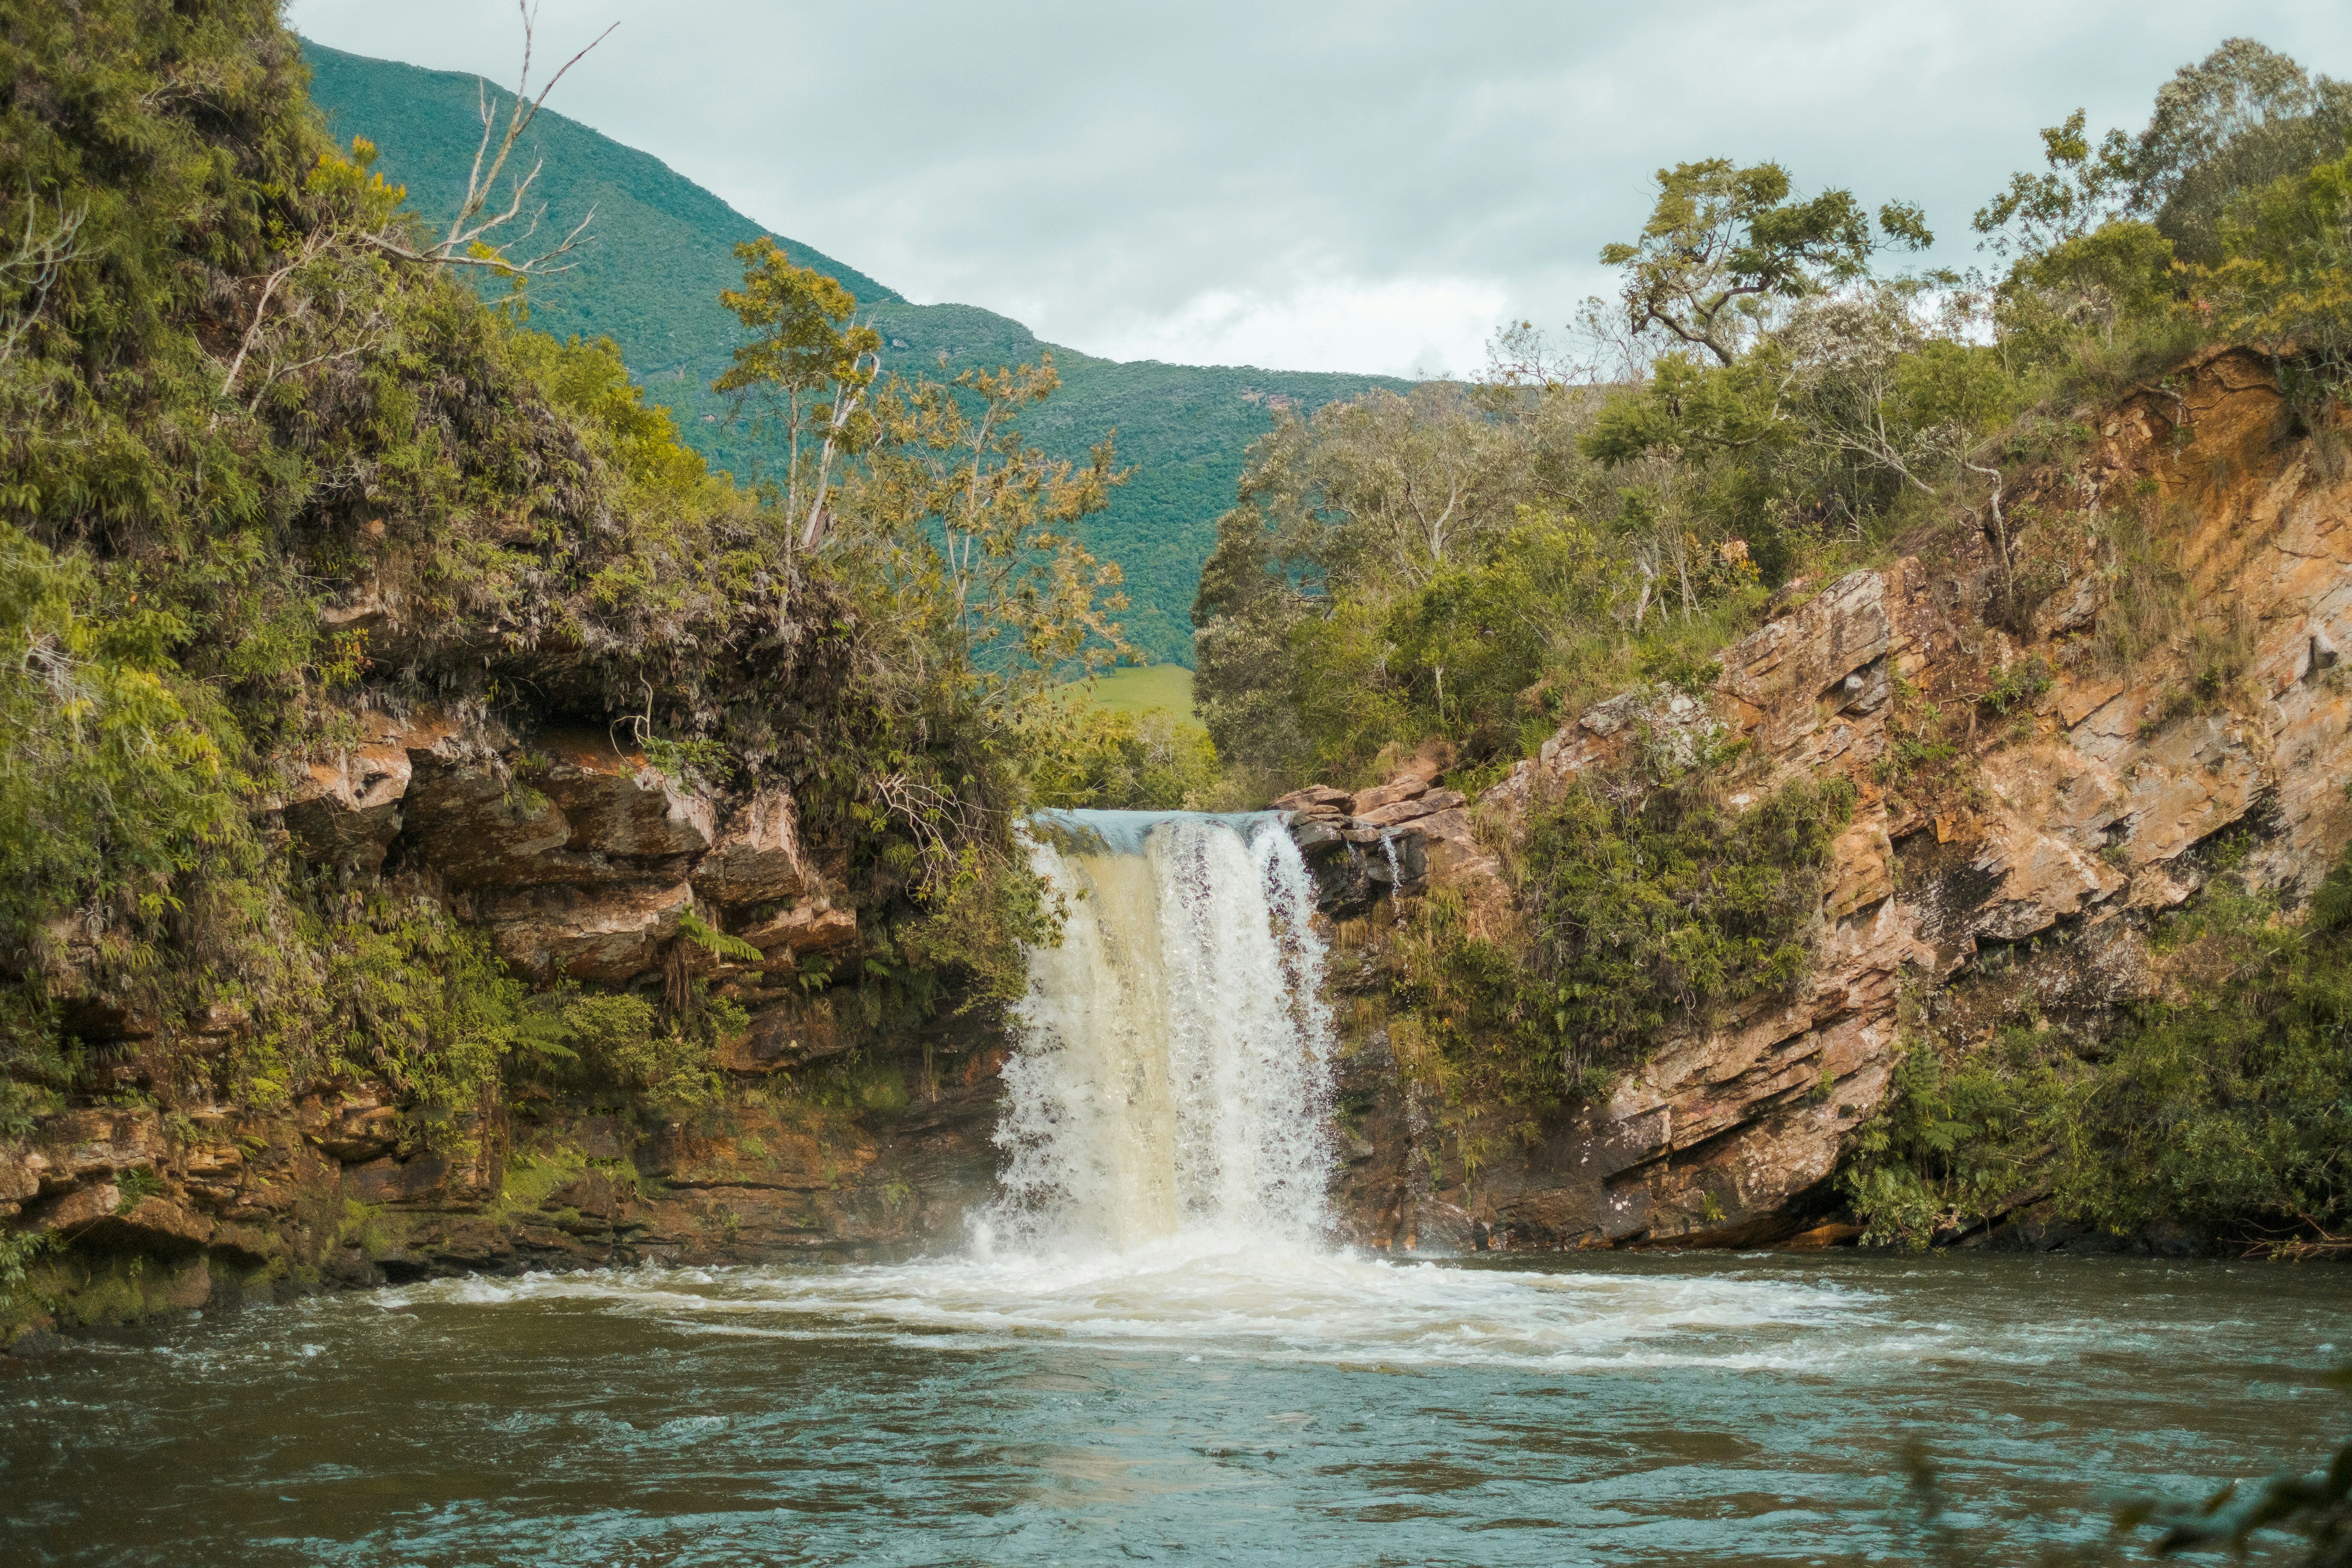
(1172, 1075)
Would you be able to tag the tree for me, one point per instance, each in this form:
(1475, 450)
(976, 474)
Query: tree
(958, 540)
(2241, 119)
(2084, 186)
(803, 352)
(1723, 242)
(473, 238)
(2284, 279)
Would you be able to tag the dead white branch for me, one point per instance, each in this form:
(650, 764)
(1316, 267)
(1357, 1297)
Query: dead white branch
(469, 241)
(32, 268)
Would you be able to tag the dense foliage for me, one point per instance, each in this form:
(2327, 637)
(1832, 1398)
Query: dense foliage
(1646, 900)
(1765, 401)
(1407, 565)
(231, 404)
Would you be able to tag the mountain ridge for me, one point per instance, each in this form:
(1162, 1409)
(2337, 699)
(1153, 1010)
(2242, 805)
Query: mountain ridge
(659, 250)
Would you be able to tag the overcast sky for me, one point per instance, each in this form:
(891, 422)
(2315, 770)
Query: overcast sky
(1362, 186)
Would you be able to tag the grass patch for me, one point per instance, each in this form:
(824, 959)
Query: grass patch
(1150, 688)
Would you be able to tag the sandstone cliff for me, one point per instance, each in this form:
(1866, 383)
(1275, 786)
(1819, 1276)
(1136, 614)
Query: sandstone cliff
(2029, 794)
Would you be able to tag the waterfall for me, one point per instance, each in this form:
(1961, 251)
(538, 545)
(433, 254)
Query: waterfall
(1173, 1072)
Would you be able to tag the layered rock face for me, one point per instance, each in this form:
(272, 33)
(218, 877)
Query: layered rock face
(1384, 842)
(327, 1195)
(580, 862)
(579, 858)
(1996, 869)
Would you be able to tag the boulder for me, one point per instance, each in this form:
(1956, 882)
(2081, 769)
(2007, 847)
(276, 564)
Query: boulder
(1315, 799)
(390, 1181)
(811, 925)
(1365, 802)
(345, 808)
(575, 808)
(617, 805)
(787, 1035)
(85, 1145)
(97, 1215)
(358, 1125)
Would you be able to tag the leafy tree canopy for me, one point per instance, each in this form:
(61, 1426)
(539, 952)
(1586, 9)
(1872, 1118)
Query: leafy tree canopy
(1723, 241)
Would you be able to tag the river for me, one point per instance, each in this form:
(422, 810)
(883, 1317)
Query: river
(1149, 1350)
(1184, 1408)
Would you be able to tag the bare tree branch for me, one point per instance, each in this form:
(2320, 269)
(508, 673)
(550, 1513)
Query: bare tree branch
(34, 266)
(476, 220)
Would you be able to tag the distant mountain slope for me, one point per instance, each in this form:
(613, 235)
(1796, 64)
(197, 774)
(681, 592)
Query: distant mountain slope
(659, 252)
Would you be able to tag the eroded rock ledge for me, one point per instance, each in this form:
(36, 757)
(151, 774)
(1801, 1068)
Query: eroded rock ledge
(580, 862)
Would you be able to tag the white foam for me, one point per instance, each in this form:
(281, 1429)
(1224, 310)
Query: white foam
(1232, 1295)
(1172, 1070)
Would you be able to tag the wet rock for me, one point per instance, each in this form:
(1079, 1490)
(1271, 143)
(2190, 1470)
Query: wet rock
(1411, 866)
(1835, 1233)
(1315, 836)
(748, 1149)
(351, 1267)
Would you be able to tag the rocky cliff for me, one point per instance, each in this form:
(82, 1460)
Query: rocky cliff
(582, 863)
(2033, 785)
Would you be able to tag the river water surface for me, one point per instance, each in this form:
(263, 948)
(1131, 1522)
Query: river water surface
(1178, 1404)
(1147, 1351)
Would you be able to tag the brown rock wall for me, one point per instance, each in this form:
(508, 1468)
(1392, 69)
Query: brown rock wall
(2047, 832)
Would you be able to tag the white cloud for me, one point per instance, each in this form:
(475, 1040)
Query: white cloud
(1401, 326)
(1283, 185)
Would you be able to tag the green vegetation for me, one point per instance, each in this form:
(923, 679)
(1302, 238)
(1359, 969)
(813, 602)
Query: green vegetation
(2232, 1115)
(1134, 746)
(1766, 401)
(1125, 760)
(1762, 404)
(1645, 900)
(233, 398)
(1151, 689)
(661, 248)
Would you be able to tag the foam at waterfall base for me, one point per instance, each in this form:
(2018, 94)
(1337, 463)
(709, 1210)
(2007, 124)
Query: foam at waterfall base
(1224, 1295)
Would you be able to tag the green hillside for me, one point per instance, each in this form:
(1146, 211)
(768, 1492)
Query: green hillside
(658, 253)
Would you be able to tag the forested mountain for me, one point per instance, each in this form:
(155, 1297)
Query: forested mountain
(660, 250)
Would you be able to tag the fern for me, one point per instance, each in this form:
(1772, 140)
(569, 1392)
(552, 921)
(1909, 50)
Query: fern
(717, 942)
